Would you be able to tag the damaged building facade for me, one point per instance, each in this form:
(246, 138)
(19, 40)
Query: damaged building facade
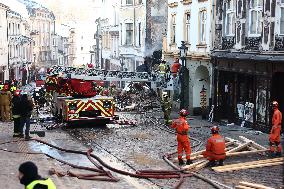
(248, 61)
(142, 23)
(191, 21)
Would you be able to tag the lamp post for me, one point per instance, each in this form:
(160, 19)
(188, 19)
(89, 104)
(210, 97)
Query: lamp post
(184, 78)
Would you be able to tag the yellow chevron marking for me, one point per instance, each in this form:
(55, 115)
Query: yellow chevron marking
(100, 105)
(88, 105)
(80, 106)
(109, 113)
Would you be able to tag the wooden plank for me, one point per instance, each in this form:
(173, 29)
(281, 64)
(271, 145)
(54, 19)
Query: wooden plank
(253, 143)
(245, 153)
(197, 155)
(251, 163)
(243, 187)
(253, 185)
(201, 156)
(249, 166)
(237, 142)
(201, 165)
(240, 147)
(188, 167)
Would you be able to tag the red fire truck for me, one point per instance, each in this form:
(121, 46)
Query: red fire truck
(75, 96)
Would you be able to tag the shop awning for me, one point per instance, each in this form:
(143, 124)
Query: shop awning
(247, 56)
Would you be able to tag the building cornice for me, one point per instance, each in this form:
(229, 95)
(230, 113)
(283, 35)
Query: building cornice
(172, 5)
(186, 2)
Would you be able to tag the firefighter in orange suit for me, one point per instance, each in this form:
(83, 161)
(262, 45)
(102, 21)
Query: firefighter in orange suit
(274, 137)
(5, 99)
(215, 148)
(182, 128)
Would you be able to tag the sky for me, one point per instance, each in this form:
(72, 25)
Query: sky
(72, 10)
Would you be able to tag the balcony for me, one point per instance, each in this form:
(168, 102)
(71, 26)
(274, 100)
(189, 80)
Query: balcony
(228, 43)
(253, 43)
(279, 43)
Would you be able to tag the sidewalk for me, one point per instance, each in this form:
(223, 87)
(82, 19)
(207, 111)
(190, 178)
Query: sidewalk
(9, 162)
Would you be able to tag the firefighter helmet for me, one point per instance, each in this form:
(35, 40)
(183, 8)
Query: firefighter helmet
(105, 92)
(275, 104)
(17, 92)
(183, 112)
(214, 129)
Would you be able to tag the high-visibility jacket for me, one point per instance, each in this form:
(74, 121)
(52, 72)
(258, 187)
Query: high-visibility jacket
(275, 133)
(175, 67)
(162, 68)
(1, 87)
(215, 148)
(182, 128)
(277, 117)
(13, 88)
(48, 182)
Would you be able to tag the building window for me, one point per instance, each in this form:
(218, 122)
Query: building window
(129, 34)
(129, 2)
(255, 14)
(120, 34)
(139, 34)
(202, 27)
(173, 29)
(139, 2)
(230, 18)
(282, 17)
(187, 27)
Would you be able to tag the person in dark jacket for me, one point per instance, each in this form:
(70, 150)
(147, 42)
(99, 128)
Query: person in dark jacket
(26, 112)
(28, 176)
(16, 111)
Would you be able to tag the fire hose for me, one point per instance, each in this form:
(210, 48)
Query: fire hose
(100, 168)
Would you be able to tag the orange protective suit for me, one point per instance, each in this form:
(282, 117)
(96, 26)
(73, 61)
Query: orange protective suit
(215, 148)
(182, 128)
(175, 68)
(274, 137)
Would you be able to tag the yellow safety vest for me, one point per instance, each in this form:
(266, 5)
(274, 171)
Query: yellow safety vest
(13, 88)
(1, 87)
(162, 68)
(48, 182)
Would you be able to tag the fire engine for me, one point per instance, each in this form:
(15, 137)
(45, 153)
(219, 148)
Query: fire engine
(75, 96)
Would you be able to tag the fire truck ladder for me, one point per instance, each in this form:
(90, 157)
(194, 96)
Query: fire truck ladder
(108, 75)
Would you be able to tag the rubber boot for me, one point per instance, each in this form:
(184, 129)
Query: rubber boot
(221, 162)
(272, 154)
(180, 162)
(278, 154)
(188, 162)
(212, 163)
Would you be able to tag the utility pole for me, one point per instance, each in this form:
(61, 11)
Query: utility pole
(97, 37)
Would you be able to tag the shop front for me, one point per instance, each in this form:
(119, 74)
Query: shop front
(242, 92)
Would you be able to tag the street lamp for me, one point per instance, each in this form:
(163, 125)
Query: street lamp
(184, 78)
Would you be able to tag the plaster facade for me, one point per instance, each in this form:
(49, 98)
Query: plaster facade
(4, 72)
(191, 21)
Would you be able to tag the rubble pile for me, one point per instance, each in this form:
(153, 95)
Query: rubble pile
(137, 97)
